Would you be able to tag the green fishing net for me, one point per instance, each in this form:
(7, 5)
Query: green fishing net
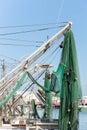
(70, 89)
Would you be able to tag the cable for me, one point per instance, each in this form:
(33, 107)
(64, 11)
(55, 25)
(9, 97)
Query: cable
(22, 26)
(28, 87)
(21, 32)
(21, 40)
(19, 26)
(60, 10)
(1, 60)
(56, 52)
(24, 45)
(10, 58)
(30, 25)
(48, 54)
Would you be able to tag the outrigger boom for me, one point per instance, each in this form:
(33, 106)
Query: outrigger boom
(34, 56)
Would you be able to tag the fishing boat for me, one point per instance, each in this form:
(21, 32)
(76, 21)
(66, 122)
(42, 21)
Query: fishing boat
(65, 80)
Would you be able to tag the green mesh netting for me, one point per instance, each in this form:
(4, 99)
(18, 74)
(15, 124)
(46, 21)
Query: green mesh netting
(17, 87)
(48, 98)
(34, 81)
(70, 88)
(56, 78)
(46, 88)
(48, 94)
(22, 110)
(19, 84)
(35, 113)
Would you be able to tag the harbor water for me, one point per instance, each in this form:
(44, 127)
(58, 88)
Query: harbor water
(83, 121)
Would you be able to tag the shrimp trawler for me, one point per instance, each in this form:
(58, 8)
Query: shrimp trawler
(64, 81)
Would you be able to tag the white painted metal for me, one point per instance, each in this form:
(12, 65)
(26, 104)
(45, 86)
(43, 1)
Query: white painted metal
(14, 79)
(34, 56)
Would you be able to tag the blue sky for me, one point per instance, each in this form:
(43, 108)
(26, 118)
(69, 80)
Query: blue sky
(30, 12)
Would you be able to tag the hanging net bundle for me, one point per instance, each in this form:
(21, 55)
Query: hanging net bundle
(48, 98)
(68, 81)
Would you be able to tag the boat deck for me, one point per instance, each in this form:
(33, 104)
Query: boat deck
(10, 127)
(41, 124)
